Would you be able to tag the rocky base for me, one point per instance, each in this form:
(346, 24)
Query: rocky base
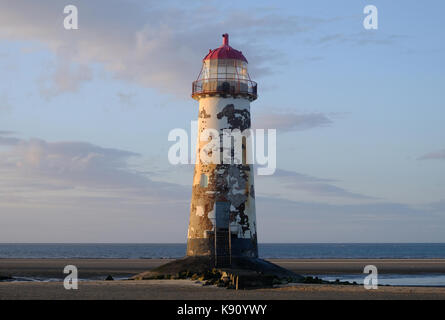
(243, 272)
(6, 278)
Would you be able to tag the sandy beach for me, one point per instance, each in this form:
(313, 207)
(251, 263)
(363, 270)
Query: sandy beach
(96, 270)
(189, 290)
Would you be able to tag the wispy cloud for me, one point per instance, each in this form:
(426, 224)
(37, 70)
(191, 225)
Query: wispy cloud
(74, 165)
(158, 48)
(289, 121)
(7, 140)
(308, 221)
(78, 191)
(289, 184)
(126, 99)
(358, 39)
(436, 155)
(65, 76)
(5, 105)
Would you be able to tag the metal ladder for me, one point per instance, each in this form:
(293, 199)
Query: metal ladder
(223, 247)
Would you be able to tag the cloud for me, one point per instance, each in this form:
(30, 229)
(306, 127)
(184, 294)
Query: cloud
(437, 155)
(438, 206)
(5, 106)
(126, 99)
(78, 191)
(66, 77)
(285, 122)
(41, 165)
(280, 220)
(70, 191)
(290, 184)
(362, 38)
(6, 140)
(155, 44)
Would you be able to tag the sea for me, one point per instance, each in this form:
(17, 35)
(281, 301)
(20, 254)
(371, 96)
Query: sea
(266, 250)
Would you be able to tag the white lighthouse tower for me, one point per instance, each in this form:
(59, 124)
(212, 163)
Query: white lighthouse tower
(222, 214)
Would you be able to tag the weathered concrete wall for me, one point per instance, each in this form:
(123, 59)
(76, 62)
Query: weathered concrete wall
(225, 195)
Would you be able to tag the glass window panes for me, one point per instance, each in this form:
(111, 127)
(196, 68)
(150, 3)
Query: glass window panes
(224, 69)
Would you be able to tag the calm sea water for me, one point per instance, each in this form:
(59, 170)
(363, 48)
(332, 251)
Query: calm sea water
(285, 250)
(423, 280)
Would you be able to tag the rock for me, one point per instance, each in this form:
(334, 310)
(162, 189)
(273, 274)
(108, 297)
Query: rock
(243, 272)
(109, 278)
(6, 278)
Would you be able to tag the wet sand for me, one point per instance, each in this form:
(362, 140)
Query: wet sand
(187, 289)
(120, 268)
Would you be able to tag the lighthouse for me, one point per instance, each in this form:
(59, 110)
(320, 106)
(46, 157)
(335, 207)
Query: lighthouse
(222, 213)
(222, 232)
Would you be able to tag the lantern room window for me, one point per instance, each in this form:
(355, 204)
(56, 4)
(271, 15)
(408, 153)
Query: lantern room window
(224, 69)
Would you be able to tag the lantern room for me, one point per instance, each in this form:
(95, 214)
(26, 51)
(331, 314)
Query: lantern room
(224, 73)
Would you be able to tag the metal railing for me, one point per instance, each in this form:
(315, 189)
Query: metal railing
(233, 87)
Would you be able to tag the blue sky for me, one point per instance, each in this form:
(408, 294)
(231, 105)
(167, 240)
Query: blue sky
(85, 115)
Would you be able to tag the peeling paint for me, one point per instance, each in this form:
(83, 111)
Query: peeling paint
(232, 183)
(200, 211)
(237, 118)
(203, 114)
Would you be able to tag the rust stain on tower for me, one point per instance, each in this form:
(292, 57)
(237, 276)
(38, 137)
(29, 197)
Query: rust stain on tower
(222, 214)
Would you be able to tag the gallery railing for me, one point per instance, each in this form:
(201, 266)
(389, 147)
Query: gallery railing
(234, 87)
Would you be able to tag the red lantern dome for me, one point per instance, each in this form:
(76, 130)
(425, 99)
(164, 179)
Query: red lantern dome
(225, 51)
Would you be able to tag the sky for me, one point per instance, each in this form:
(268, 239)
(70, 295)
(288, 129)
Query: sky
(85, 115)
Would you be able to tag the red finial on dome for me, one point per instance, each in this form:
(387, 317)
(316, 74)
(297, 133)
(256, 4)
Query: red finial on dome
(225, 39)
